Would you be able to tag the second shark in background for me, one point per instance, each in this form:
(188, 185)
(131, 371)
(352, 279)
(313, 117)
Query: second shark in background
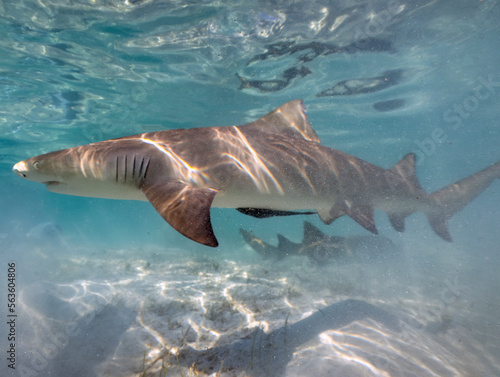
(321, 248)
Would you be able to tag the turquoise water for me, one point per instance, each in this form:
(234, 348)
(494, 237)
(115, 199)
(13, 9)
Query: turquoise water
(379, 79)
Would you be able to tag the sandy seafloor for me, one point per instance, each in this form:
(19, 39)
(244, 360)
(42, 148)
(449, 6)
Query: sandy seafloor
(420, 311)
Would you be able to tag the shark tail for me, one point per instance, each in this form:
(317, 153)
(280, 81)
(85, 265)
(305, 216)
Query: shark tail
(452, 198)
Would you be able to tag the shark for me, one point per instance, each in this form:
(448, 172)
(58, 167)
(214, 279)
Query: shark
(321, 248)
(275, 163)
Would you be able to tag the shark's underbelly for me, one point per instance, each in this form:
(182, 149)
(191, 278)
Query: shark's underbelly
(270, 200)
(99, 189)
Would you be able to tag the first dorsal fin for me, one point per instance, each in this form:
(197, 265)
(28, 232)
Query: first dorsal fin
(289, 119)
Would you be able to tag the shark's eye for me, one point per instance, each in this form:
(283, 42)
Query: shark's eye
(36, 165)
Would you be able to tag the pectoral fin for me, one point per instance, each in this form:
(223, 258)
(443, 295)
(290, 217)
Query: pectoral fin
(185, 208)
(264, 213)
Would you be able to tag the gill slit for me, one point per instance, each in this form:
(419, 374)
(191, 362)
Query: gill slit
(125, 177)
(146, 170)
(139, 175)
(142, 171)
(133, 169)
(116, 165)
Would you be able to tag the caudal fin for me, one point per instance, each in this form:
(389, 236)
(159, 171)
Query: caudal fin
(451, 199)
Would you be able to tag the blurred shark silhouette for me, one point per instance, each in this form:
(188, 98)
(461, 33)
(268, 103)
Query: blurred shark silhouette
(364, 85)
(274, 163)
(321, 248)
(305, 53)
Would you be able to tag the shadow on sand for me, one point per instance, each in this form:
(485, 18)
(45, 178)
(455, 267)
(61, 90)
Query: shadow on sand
(261, 354)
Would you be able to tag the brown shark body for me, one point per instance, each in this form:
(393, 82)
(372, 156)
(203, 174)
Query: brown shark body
(273, 163)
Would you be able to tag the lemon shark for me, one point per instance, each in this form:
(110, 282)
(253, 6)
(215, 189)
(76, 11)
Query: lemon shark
(321, 248)
(275, 163)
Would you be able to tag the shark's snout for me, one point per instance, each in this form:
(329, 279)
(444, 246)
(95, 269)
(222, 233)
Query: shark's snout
(20, 169)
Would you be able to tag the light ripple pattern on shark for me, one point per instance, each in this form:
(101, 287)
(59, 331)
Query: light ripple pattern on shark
(275, 163)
